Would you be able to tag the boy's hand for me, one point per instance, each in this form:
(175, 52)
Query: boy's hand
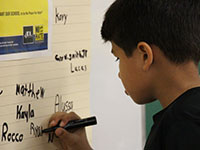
(75, 140)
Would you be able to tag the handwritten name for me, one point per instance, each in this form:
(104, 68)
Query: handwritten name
(29, 90)
(10, 137)
(60, 17)
(23, 114)
(61, 106)
(81, 54)
(80, 68)
(36, 130)
(51, 137)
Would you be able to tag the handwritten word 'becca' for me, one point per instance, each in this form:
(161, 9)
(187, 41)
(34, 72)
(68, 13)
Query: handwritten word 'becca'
(76, 55)
(28, 90)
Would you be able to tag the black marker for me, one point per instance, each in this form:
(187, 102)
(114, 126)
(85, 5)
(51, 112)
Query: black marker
(73, 124)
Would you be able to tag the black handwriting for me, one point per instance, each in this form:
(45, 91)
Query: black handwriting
(76, 55)
(60, 17)
(29, 90)
(10, 137)
(24, 114)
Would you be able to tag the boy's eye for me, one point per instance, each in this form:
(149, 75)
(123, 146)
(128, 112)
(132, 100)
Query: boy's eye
(117, 59)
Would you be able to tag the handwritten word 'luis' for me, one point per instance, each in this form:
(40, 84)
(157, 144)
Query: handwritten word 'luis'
(28, 90)
(60, 17)
(76, 55)
(23, 114)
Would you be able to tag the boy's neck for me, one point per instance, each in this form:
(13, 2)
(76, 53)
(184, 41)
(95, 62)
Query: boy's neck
(174, 80)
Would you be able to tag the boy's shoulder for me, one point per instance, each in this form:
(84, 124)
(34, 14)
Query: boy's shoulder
(186, 106)
(178, 125)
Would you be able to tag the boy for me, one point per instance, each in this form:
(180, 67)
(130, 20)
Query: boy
(157, 43)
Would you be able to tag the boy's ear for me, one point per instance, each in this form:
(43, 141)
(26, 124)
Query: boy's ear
(146, 53)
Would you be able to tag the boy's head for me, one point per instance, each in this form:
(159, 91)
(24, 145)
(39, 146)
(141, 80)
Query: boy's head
(172, 25)
(165, 32)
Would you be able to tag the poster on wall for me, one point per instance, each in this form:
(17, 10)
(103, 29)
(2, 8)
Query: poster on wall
(25, 29)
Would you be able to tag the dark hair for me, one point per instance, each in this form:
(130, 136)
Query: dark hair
(172, 25)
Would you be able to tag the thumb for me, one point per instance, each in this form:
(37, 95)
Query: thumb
(65, 137)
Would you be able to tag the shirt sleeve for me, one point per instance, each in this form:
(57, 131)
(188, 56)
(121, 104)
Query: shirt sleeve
(182, 135)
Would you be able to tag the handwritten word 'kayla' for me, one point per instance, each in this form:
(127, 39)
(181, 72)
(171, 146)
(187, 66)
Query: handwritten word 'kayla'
(23, 114)
(81, 54)
(60, 17)
(10, 137)
(29, 90)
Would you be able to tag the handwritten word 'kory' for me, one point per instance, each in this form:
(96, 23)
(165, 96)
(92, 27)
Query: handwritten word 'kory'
(60, 17)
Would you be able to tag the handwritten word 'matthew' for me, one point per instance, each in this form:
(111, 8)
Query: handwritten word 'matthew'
(29, 90)
(76, 55)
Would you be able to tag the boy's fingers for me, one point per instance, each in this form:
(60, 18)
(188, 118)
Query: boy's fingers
(55, 118)
(64, 136)
(63, 117)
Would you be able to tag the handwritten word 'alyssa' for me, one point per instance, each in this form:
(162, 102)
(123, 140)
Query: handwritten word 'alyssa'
(22, 114)
(35, 130)
(61, 106)
(10, 137)
(60, 17)
(28, 90)
(76, 55)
